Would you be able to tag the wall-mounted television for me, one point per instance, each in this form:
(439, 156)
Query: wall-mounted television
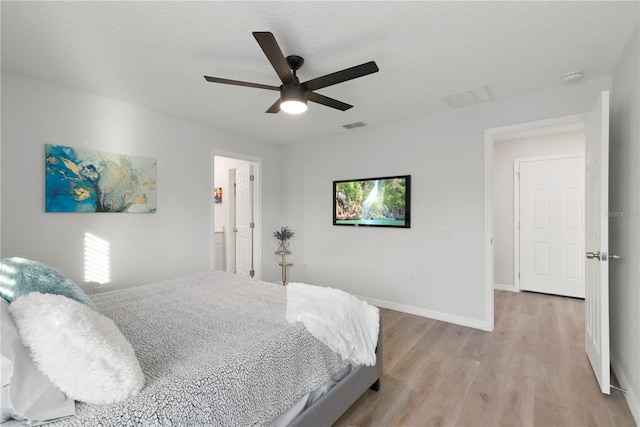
(373, 202)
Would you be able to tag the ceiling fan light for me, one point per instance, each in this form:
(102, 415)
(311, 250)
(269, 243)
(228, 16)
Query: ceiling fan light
(293, 106)
(293, 98)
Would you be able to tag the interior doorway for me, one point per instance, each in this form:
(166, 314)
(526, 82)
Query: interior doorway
(596, 149)
(502, 276)
(529, 198)
(236, 214)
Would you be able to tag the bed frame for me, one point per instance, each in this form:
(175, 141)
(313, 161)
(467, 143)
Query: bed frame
(330, 407)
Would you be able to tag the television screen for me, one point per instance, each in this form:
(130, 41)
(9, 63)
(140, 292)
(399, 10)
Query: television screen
(377, 202)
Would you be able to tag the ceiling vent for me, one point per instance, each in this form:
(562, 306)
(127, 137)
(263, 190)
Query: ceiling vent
(354, 125)
(469, 97)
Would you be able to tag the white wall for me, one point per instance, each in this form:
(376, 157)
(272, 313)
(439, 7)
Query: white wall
(624, 224)
(144, 247)
(444, 153)
(505, 152)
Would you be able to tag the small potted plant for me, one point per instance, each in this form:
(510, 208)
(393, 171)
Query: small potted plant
(284, 234)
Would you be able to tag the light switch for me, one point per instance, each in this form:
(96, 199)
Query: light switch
(446, 233)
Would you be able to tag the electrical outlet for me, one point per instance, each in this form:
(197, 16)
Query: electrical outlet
(412, 278)
(403, 276)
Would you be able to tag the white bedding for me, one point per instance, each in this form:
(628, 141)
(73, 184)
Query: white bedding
(344, 323)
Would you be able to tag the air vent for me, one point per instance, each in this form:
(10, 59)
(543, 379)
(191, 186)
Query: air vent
(469, 97)
(354, 125)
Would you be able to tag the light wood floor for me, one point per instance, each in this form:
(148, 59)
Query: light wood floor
(531, 371)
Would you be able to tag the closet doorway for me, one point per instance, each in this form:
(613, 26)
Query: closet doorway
(236, 214)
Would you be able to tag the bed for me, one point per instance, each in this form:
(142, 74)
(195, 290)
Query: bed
(216, 349)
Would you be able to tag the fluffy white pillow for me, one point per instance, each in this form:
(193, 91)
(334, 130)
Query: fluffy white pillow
(80, 351)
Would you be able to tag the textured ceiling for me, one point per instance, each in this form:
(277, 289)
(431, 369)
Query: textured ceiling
(154, 54)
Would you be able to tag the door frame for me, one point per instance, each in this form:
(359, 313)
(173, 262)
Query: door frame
(230, 244)
(489, 145)
(257, 206)
(516, 206)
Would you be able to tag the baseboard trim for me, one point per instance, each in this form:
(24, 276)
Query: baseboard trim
(501, 287)
(631, 396)
(436, 315)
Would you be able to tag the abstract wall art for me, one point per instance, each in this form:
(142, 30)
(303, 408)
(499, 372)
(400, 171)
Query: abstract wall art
(83, 180)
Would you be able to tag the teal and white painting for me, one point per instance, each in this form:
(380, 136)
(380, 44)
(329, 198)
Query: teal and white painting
(83, 180)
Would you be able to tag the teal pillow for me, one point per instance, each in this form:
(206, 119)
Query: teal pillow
(19, 276)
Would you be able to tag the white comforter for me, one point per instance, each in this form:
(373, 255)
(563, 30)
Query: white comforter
(344, 323)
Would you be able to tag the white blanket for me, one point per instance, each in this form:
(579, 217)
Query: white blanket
(344, 323)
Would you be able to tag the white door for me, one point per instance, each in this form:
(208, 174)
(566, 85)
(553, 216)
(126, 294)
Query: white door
(244, 220)
(552, 225)
(597, 241)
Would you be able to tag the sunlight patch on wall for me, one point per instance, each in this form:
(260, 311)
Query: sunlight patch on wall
(96, 259)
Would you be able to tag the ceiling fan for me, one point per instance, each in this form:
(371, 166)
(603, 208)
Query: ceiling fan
(293, 94)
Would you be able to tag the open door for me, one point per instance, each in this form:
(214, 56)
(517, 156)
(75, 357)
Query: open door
(597, 241)
(244, 220)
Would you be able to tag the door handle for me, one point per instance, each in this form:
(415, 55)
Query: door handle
(593, 255)
(602, 256)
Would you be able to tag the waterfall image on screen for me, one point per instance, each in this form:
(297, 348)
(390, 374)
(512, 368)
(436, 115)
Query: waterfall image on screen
(372, 202)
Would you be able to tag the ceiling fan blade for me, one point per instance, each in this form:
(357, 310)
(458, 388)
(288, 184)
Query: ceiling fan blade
(275, 108)
(342, 76)
(270, 47)
(329, 102)
(239, 83)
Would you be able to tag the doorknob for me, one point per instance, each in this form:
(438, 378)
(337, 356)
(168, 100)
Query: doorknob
(593, 255)
(611, 256)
